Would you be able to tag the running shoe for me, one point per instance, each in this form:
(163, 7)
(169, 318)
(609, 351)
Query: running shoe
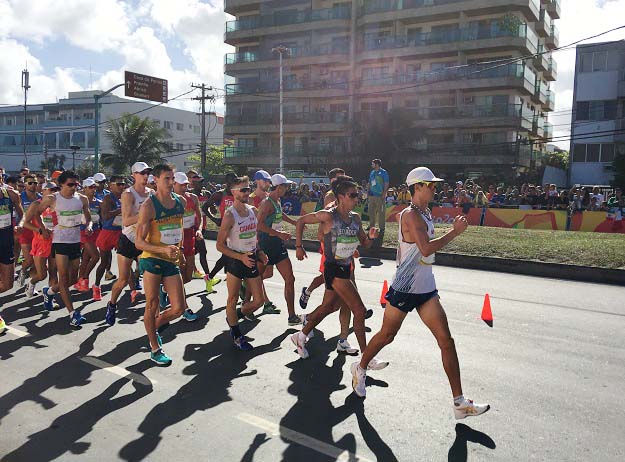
(303, 299)
(299, 340)
(304, 322)
(376, 365)
(109, 276)
(163, 299)
(138, 285)
(469, 409)
(21, 279)
(76, 286)
(343, 346)
(159, 340)
(3, 325)
(189, 315)
(133, 295)
(270, 308)
(368, 313)
(48, 300)
(30, 289)
(160, 358)
(294, 320)
(210, 283)
(77, 319)
(242, 344)
(111, 312)
(97, 293)
(85, 285)
(198, 275)
(359, 378)
(20, 260)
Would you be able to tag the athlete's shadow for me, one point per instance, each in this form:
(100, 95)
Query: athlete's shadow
(368, 262)
(459, 450)
(259, 440)
(215, 366)
(315, 416)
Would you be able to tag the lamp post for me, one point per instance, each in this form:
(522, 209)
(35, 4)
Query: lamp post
(26, 87)
(74, 148)
(281, 50)
(96, 147)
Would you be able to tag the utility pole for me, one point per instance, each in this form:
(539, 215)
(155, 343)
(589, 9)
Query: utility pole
(281, 50)
(26, 87)
(202, 100)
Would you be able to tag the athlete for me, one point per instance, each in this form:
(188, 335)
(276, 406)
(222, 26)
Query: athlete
(42, 227)
(68, 208)
(100, 193)
(342, 233)
(25, 236)
(271, 241)
(263, 184)
(237, 241)
(414, 287)
(90, 253)
(131, 200)
(9, 201)
(200, 246)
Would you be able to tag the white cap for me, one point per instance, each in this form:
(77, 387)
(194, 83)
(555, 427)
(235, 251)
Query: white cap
(139, 167)
(99, 177)
(181, 178)
(421, 174)
(278, 179)
(151, 178)
(87, 182)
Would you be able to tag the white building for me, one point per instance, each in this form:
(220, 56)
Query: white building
(52, 128)
(598, 123)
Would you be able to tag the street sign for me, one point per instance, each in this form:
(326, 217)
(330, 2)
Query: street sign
(145, 87)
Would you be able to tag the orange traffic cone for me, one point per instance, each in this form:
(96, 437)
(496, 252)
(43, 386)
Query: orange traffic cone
(487, 314)
(384, 291)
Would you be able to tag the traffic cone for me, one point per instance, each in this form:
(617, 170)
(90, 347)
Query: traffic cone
(384, 291)
(487, 314)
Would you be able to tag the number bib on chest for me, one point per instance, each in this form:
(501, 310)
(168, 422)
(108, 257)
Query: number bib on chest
(69, 218)
(188, 219)
(171, 234)
(5, 218)
(346, 246)
(277, 223)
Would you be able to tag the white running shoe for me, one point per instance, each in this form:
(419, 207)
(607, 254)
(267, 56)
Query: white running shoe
(299, 340)
(359, 377)
(304, 322)
(376, 365)
(343, 346)
(469, 409)
(30, 289)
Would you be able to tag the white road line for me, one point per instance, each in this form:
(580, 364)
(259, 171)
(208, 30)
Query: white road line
(17, 332)
(120, 371)
(341, 455)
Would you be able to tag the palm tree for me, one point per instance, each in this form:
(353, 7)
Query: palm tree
(134, 139)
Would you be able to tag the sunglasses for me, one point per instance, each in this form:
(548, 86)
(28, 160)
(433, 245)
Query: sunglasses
(120, 184)
(243, 190)
(352, 195)
(71, 185)
(145, 172)
(101, 182)
(32, 182)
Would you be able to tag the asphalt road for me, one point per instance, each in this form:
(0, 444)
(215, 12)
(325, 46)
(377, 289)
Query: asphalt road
(552, 367)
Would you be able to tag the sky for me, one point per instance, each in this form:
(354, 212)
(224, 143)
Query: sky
(78, 45)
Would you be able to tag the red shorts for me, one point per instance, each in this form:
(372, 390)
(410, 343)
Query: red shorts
(25, 237)
(41, 247)
(188, 242)
(107, 239)
(84, 237)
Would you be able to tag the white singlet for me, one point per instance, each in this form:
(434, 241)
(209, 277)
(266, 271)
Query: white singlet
(242, 236)
(68, 219)
(131, 231)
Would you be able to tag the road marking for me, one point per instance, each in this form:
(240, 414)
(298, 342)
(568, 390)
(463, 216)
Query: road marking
(17, 332)
(339, 454)
(120, 371)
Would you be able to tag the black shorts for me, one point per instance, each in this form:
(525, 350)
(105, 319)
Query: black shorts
(407, 302)
(332, 271)
(239, 270)
(7, 241)
(72, 251)
(274, 248)
(126, 248)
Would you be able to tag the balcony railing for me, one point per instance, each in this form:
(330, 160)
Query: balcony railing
(460, 112)
(382, 6)
(548, 130)
(289, 85)
(294, 52)
(287, 18)
(450, 36)
(290, 118)
(232, 152)
(20, 148)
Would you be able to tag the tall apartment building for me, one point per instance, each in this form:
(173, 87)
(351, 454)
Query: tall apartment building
(52, 128)
(598, 122)
(448, 67)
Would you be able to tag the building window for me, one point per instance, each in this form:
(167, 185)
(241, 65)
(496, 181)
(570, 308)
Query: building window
(339, 107)
(30, 122)
(179, 127)
(78, 139)
(595, 152)
(156, 122)
(64, 140)
(380, 106)
(50, 140)
(90, 139)
(594, 62)
(596, 110)
(9, 122)
(592, 152)
(442, 138)
(168, 125)
(607, 152)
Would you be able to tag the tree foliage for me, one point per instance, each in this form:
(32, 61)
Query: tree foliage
(557, 159)
(214, 160)
(134, 139)
(54, 162)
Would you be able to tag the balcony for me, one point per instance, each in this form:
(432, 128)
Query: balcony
(249, 26)
(543, 26)
(393, 10)
(553, 41)
(553, 7)
(235, 7)
(540, 93)
(465, 39)
(550, 101)
(551, 73)
(503, 154)
(20, 148)
(327, 50)
(621, 88)
(269, 123)
(325, 88)
(548, 131)
(538, 126)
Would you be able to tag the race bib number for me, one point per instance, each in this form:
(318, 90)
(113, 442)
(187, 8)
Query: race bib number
(171, 234)
(248, 241)
(346, 246)
(48, 222)
(189, 219)
(117, 221)
(69, 218)
(5, 219)
(95, 218)
(277, 223)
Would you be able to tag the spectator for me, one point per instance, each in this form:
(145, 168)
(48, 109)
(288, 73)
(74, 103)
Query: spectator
(530, 197)
(596, 193)
(24, 171)
(594, 206)
(491, 193)
(480, 199)
(499, 198)
(403, 197)
(390, 197)
(576, 199)
(563, 200)
(552, 196)
(378, 186)
(617, 200)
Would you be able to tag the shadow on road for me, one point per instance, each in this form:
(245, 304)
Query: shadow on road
(465, 434)
(368, 262)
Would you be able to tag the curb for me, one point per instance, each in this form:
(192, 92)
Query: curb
(501, 265)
